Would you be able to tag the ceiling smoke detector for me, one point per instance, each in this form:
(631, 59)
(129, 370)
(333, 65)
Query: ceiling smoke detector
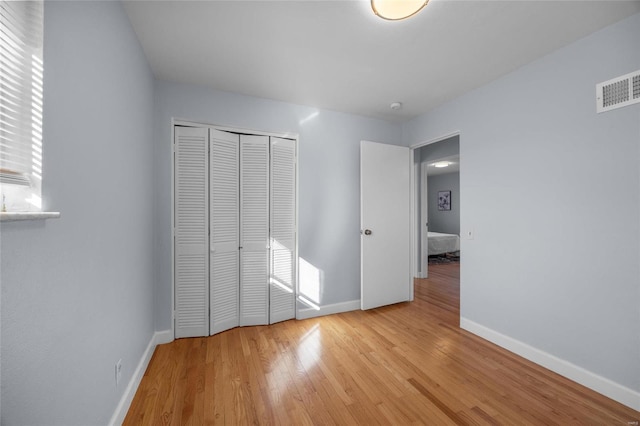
(396, 106)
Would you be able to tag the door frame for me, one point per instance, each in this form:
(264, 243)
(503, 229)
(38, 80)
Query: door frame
(190, 123)
(415, 209)
(423, 222)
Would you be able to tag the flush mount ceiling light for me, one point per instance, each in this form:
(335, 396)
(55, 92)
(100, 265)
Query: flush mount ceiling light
(396, 106)
(395, 10)
(441, 164)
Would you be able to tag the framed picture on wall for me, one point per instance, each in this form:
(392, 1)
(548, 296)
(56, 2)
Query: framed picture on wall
(444, 200)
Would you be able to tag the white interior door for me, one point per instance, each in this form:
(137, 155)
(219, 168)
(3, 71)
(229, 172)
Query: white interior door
(224, 263)
(254, 230)
(385, 208)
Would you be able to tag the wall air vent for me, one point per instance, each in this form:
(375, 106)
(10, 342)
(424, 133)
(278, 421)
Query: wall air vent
(618, 92)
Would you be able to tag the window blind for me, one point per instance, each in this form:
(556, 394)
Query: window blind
(21, 102)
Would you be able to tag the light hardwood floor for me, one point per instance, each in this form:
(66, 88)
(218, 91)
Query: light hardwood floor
(408, 363)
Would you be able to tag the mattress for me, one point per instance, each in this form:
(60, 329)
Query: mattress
(443, 243)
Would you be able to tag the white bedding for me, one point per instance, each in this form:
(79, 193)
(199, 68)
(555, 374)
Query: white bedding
(443, 243)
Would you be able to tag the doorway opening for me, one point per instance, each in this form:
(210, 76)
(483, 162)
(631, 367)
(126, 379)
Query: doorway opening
(436, 167)
(437, 203)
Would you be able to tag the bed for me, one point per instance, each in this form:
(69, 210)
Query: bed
(443, 243)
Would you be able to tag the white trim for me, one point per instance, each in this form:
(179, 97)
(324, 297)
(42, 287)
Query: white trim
(424, 218)
(162, 337)
(159, 337)
(297, 247)
(336, 308)
(14, 216)
(600, 384)
(173, 227)
(415, 266)
(438, 139)
(240, 130)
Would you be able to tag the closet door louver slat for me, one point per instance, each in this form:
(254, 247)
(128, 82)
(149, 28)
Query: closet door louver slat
(225, 230)
(191, 232)
(283, 225)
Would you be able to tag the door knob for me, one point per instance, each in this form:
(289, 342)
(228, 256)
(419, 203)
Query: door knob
(367, 232)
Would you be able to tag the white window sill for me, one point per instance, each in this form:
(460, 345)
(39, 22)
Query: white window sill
(13, 216)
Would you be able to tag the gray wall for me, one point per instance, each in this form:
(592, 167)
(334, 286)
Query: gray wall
(77, 292)
(329, 179)
(447, 221)
(441, 149)
(540, 169)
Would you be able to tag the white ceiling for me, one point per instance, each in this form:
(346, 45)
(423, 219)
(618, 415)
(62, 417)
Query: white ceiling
(338, 55)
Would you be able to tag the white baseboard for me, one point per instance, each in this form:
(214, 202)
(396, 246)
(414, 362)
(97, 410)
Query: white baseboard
(159, 337)
(600, 384)
(162, 337)
(336, 308)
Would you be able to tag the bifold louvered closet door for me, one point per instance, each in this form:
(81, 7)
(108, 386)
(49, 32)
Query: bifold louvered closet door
(254, 232)
(235, 209)
(283, 230)
(191, 231)
(224, 225)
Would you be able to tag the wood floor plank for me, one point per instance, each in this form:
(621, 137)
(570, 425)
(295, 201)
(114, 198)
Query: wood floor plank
(408, 363)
